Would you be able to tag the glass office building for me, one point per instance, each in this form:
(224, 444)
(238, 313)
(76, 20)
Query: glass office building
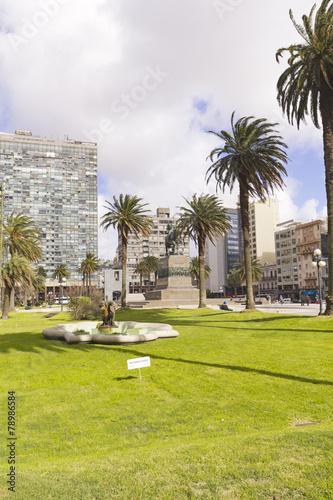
(55, 183)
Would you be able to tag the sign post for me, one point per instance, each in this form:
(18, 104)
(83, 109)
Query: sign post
(138, 363)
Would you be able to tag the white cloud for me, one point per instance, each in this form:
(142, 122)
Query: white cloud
(91, 58)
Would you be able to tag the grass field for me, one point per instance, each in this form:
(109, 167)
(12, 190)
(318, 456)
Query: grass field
(239, 406)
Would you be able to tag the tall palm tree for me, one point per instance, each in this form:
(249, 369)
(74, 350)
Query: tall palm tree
(253, 155)
(195, 269)
(89, 266)
(151, 264)
(17, 270)
(81, 270)
(127, 215)
(305, 89)
(61, 271)
(204, 218)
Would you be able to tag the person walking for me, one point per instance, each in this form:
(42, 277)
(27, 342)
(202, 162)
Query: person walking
(307, 300)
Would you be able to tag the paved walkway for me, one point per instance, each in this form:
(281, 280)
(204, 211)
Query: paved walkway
(310, 310)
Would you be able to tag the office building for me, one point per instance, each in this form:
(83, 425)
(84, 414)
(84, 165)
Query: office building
(264, 218)
(54, 182)
(286, 259)
(309, 236)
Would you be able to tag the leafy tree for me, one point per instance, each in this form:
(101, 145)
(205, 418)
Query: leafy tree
(194, 269)
(127, 215)
(305, 89)
(253, 155)
(204, 218)
(89, 266)
(17, 270)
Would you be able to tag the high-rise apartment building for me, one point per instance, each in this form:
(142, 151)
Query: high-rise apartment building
(223, 255)
(54, 182)
(153, 245)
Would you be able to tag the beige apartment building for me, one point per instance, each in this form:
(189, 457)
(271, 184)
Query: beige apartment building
(264, 218)
(286, 259)
(309, 236)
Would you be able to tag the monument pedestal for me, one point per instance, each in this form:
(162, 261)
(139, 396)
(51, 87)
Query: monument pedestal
(173, 280)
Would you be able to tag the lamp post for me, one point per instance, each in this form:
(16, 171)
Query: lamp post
(317, 262)
(62, 283)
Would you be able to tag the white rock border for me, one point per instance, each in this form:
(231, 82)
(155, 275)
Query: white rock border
(65, 331)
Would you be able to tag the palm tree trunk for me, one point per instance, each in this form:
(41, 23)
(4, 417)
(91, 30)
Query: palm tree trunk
(6, 302)
(326, 106)
(244, 210)
(202, 288)
(124, 268)
(12, 300)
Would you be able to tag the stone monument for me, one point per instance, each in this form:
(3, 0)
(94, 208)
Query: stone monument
(174, 281)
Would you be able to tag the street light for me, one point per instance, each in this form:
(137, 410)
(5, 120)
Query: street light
(62, 283)
(317, 262)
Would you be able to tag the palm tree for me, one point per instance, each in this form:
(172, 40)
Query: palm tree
(256, 270)
(253, 155)
(17, 270)
(141, 271)
(81, 270)
(127, 215)
(151, 265)
(61, 271)
(305, 89)
(22, 237)
(204, 218)
(194, 269)
(234, 280)
(89, 266)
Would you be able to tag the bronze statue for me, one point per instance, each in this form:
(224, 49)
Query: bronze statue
(108, 314)
(172, 239)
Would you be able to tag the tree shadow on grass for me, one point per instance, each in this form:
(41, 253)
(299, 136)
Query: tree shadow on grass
(234, 368)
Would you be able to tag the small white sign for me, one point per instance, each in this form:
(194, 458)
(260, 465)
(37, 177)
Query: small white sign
(138, 363)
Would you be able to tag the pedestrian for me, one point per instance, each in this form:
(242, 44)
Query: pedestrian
(281, 299)
(302, 300)
(307, 300)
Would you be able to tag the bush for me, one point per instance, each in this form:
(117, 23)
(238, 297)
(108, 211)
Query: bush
(85, 307)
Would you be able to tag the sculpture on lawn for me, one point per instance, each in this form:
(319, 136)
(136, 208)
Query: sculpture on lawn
(108, 314)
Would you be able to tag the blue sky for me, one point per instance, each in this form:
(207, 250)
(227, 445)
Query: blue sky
(146, 80)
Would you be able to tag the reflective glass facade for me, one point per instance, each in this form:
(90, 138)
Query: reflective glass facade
(55, 183)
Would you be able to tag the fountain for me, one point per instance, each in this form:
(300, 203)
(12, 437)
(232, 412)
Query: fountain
(109, 331)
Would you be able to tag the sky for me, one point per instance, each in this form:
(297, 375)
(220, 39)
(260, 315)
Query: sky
(147, 80)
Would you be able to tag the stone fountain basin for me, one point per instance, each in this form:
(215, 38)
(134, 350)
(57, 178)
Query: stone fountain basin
(125, 332)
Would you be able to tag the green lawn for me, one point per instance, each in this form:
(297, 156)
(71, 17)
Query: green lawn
(239, 406)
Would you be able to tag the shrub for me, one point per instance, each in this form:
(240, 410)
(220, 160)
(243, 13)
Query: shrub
(85, 307)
